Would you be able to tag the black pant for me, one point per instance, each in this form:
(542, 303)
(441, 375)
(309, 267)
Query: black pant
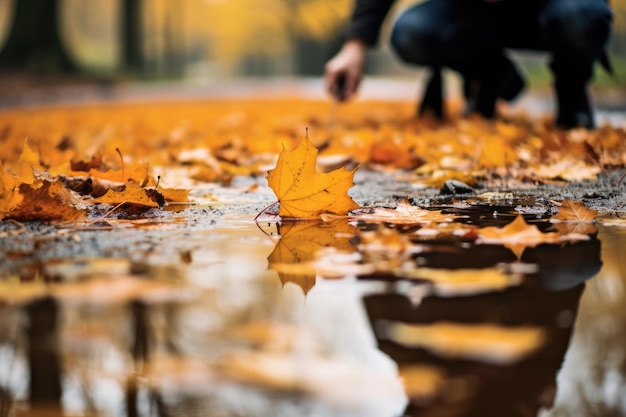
(470, 36)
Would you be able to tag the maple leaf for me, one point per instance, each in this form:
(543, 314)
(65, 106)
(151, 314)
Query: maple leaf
(302, 191)
(574, 211)
(295, 253)
(574, 218)
(519, 235)
(405, 213)
(516, 236)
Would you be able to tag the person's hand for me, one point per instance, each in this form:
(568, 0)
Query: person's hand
(344, 71)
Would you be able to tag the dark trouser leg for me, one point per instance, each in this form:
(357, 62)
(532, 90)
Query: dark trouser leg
(575, 32)
(466, 36)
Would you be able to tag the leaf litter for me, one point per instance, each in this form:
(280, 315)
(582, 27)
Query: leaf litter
(75, 175)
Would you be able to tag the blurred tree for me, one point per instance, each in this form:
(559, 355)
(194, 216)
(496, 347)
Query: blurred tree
(132, 35)
(34, 41)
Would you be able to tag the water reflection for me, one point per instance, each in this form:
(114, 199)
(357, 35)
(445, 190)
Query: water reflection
(482, 354)
(220, 334)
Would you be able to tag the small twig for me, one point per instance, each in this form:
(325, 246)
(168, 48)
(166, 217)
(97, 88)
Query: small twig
(20, 226)
(110, 211)
(619, 182)
(264, 210)
(122, 160)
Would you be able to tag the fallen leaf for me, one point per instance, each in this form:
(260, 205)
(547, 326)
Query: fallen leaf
(574, 211)
(483, 342)
(519, 235)
(405, 213)
(132, 194)
(302, 191)
(516, 236)
(45, 200)
(295, 253)
(177, 195)
(613, 222)
(422, 381)
(454, 282)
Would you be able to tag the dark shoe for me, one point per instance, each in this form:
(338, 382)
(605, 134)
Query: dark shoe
(574, 109)
(432, 100)
(482, 95)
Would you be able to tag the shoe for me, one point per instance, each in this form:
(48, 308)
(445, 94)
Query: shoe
(432, 100)
(574, 109)
(481, 96)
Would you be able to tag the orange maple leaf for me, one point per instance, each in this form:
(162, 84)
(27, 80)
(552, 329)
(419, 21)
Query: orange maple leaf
(574, 211)
(295, 253)
(302, 191)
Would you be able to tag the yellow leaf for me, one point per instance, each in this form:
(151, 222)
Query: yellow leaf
(175, 194)
(295, 253)
(132, 194)
(484, 342)
(305, 193)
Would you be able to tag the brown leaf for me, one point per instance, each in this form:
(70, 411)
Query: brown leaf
(405, 213)
(519, 235)
(574, 211)
(46, 201)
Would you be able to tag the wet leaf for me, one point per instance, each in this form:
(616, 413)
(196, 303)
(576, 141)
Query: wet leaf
(574, 211)
(454, 282)
(302, 191)
(295, 253)
(516, 236)
(519, 235)
(613, 222)
(482, 342)
(132, 194)
(405, 213)
(45, 200)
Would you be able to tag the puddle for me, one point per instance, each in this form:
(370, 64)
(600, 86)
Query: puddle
(221, 318)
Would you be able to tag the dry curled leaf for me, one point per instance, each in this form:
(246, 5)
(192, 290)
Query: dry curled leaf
(302, 191)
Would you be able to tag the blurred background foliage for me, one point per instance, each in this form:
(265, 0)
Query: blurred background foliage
(206, 40)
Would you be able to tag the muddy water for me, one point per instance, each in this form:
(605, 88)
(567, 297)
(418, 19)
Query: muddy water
(196, 322)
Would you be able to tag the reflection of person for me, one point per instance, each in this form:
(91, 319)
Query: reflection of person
(469, 37)
(548, 300)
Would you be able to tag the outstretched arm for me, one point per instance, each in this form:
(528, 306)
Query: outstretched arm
(344, 71)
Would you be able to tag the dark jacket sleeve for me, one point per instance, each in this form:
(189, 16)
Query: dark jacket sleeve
(367, 18)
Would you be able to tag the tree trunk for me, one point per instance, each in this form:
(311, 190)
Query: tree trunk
(43, 354)
(132, 31)
(34, 41)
